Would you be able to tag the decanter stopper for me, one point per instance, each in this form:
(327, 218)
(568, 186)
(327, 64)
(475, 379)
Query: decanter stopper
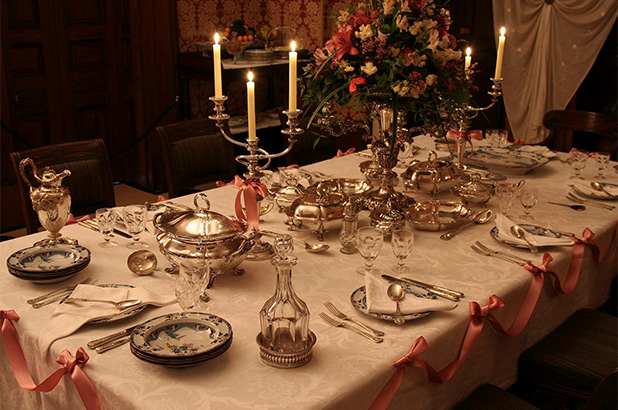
(349, 228)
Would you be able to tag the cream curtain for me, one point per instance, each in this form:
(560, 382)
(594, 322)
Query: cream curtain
(550, 47)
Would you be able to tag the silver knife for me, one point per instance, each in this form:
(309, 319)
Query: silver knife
(98, 342)
(435, 292)
(112, 344)
(435, 287)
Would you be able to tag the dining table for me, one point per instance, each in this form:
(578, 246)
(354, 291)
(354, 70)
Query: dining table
(346, 371)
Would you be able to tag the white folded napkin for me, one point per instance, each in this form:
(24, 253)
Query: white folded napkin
(504, 224)
(538, 149)
(379, 302)
(69, 317)
(587, 189)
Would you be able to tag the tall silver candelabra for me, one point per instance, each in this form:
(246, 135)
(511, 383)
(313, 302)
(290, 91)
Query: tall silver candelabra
(261, 250)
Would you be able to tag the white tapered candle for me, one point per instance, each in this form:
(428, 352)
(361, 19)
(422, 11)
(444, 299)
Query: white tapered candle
(251, 108)
(501, 41)
(216, 54)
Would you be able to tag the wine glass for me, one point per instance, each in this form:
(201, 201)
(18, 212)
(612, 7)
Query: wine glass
(369, 243)
(135, 217)
(401, 243)
(602, 159)
(497, 138)
(106, 219)
(506, 197)
(528, 198)
(578, 162)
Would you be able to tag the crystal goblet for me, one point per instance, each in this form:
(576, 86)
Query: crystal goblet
(106, 219)
(578, 162)
(369, 243)
(506, 197)
(135, 217)
(602, 159)
(529, 198)
(402, 242)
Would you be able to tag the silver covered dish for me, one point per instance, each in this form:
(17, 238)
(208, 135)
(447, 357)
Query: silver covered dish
(474, 191)
(194, 239)
(432, 176)
(386, 221)
(284, 197)
(437, 215)
(346, 186)
(316, 207)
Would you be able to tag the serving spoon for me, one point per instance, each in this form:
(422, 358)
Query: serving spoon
(521, 234)
(480, 218)
(395, 293)
(600, 187)
(317, 248)
(142, 262)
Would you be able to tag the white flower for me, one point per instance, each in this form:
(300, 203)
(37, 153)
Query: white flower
(369, 68)
(434, 39)
(364, 32)
(395, 51)
(416, 28)
(343, 16)
(405, 8)
(402, 22)
(431, 79)
(382, 36)
(389, 6)
(348, 69)
(446, 55)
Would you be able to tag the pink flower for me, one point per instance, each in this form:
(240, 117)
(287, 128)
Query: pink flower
(355, 82)
(362, 17)
(342, 42)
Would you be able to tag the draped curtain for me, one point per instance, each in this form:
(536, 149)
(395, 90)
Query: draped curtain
(550, 47)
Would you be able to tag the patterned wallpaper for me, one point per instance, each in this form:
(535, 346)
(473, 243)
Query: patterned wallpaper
(199, 19)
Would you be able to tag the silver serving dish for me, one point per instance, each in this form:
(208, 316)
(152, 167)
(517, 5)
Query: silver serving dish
(438, 215)
(316, 207)
(374, 174)
(474, 191)
(194, 239)
(386, 221)
(432, 176)
(284, 197)
(344, 186)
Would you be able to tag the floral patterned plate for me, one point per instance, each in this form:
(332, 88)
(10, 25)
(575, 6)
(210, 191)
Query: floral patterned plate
(181, 335)
(49, 259)
(531, 229)
(505, 160)
(359, 301)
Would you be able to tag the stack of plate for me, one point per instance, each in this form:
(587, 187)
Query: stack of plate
(181, 339)
(49, 263)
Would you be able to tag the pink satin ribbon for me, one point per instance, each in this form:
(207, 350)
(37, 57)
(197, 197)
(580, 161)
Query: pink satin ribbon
(248, 189)
(72, 220)
(340, 153)
(579, 249)
(161, 198)
(590, 154)
(466, 136)
(518, 142)
(69, 364)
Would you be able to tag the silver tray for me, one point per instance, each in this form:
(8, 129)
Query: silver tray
(346, 186)
(437, 215)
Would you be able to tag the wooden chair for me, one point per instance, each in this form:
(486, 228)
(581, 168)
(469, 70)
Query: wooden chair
(574, 359)
(90, 183)
(562, 124)
(488, 396)
(195, 153)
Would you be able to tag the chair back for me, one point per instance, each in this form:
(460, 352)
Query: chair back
(195, 153)
(90, 183)
(562, 124)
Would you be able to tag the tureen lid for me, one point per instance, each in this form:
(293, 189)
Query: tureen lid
(199, 225)
(433, 163)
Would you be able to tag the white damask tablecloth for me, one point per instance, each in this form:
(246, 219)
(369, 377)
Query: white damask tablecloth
(347, 371)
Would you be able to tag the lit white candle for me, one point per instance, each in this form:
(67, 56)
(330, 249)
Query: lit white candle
(501, 40)
(293, 60)
(468, 60)
(216, 54)
(251, 107)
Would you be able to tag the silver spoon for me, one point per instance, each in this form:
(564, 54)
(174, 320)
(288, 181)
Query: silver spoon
(521, 234)
(600, 187)
(317, 248)
(396, 293)
(142, 262)
(122, 305)
(480, 218)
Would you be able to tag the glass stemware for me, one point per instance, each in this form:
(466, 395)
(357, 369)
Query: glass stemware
(529, 198)
(106, 219)
(578, 162)
(602, 159)
(402, 242)
(135, 217)
(506, 197)
(369, 243)
(497, 138)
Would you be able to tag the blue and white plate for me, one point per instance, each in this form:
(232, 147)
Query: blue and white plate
(589, 192)
(179, 336)
(359, 301)
(505, 160)
(49, 259)
(532, 229)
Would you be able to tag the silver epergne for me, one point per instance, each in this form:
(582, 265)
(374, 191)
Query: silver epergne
(261, 250)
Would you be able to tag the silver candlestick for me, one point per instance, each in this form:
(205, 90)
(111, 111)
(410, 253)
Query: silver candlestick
(261, 250)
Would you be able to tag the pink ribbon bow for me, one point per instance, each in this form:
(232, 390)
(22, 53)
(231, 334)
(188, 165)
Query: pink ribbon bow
(70, 364)
(248, 189)
(72, 220)
(340, 153)
(466, 136)
(590, 154)
(577, 258)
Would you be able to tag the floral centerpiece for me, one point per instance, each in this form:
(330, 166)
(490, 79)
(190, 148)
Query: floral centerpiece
(396, 51)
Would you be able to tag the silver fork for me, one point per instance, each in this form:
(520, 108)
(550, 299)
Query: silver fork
(496, 255)
(579, 200)
(58, 293)
(343, 316)
(497, 252)
(329, 320)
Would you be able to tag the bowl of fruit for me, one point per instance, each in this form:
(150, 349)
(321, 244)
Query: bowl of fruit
(239, 36)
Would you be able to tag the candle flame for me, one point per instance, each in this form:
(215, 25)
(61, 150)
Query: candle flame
(250, 76)
(468, 51)
(293, 45)
(502, 31)
(216, 38)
